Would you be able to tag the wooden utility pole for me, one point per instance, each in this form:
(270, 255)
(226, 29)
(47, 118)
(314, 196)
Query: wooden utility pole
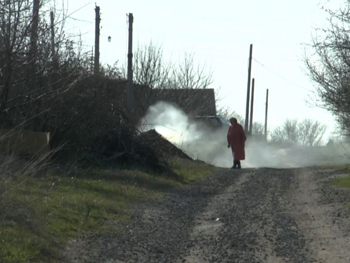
(97, 40)
(251, 109)
(248, 89)
(266, 109)
(53, 51)
(52, 34)
(130, 93)
(34, 31)
(92, 59)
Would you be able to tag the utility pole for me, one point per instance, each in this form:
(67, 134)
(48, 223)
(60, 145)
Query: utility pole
(34, 32)
(251, 109)
(130, 93)
(266, 108)
(53, 51)
(52, 34)
(97, 40)
(248, 88)
(92, 59)
(54, 77)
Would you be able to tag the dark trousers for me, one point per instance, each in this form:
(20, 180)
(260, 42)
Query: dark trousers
(236, 164)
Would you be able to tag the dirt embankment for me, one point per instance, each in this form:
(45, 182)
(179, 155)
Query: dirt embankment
(253, 215)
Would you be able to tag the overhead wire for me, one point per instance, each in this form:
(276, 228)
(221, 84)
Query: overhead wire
(80, 20)
(282, 77)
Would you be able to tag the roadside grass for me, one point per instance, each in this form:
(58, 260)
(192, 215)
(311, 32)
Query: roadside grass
(344, 167)
(341, 182)
(192, 171)
(39, 215)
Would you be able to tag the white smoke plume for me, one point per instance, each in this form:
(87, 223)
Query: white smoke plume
(204, 142)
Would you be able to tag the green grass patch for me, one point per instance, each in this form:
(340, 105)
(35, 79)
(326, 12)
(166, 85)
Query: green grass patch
(341, 182)
(17, 244)
(191, 171)
(39, 215)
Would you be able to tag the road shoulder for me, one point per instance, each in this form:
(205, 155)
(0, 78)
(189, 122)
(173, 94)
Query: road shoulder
(321, 214)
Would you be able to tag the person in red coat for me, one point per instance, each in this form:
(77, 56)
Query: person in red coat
(236, 140)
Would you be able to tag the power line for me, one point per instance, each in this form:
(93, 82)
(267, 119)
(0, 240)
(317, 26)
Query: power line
(70, 14)
(278, 75)
(80, 20)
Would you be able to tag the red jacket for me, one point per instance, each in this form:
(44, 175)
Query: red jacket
(236, 139)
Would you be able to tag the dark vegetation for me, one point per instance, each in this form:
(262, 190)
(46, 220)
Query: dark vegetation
(47, 84)
(102, 163)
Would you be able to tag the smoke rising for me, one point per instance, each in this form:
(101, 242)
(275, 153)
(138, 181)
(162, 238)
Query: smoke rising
(201, 140)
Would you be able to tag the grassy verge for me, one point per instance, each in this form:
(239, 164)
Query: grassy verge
(341, 182)
(41, 214)
(345, 181)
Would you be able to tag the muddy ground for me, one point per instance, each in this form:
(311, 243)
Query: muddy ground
(248, 215)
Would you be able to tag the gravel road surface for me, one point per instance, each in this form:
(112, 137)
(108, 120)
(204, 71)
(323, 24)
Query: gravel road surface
(248, 215)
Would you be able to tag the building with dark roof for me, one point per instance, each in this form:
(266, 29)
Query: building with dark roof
(195, 102)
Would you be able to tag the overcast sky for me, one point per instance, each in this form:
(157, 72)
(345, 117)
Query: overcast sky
(219, 34)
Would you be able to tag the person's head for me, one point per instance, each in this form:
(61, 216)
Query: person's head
(233, 120)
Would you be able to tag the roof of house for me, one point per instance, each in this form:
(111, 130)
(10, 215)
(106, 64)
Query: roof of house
(197, 102)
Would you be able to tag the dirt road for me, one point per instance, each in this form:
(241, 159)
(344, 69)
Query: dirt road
(253, 215)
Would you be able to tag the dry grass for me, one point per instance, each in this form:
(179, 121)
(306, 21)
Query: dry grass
(43, 213)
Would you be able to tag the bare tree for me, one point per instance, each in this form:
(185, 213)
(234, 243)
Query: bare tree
(227, 114)
(328, 65)
(311, 132)
(306, 133)
(278, 136)
(290, 127)
(258, 130)
(184, 84)
(15, 21)
(287, 133)
(150, 69)
(190, 76)
(28, 81)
